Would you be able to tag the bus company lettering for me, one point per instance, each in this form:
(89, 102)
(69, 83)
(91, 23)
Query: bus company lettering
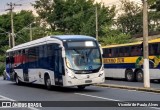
(114, 60)
(120, 60)
(110, 60)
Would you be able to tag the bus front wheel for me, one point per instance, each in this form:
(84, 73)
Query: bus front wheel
(129, 75)
(139, 75)
(17, 80)
(48, 82)
(81, 87)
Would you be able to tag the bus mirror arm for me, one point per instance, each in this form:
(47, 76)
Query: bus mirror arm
(63, 53)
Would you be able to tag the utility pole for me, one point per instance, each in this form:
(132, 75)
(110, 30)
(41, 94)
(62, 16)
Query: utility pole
(145, 45)
(9, 36)
(96, 23)
(30, 27)
(12, 27)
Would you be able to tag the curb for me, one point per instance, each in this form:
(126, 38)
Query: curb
(129, 87)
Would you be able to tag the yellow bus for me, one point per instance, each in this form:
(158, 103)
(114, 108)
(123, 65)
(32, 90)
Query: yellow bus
(126, 60)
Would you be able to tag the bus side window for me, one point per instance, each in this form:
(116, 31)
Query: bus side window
(132, 51)
(105, 52)
(109, 52)
(116, 52)
(126, 51)
(153, 49)
(50, 57)
(121, 51)
(158, 50)
(135, 51)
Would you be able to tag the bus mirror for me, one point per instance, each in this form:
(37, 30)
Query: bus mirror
(101, 48)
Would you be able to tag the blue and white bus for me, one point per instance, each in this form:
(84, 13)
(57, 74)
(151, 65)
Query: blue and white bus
(60, 60)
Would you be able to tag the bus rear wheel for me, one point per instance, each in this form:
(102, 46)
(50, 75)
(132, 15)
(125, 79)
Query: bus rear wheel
(81, 87)
(48, 82)
(139, 76)
(129, 75)
(18, 82)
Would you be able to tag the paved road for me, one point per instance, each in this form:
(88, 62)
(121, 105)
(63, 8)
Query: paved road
(153, 84)
(10, 91)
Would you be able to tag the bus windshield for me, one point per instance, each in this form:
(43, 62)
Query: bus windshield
(83, 58)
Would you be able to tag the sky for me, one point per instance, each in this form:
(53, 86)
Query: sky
(26, 4)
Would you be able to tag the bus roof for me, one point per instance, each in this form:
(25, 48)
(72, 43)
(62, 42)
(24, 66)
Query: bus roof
(55, 38)
(130, 44)
(73, 37)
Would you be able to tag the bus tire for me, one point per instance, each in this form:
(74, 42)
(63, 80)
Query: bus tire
(139, 76)
(18, 82)
(81, 87)
(129, 75)
(48, 82)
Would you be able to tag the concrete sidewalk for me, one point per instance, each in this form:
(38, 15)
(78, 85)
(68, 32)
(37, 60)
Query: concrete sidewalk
(155, 87)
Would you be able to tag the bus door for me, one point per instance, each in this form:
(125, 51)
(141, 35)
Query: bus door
(58, 68)
(25, 65)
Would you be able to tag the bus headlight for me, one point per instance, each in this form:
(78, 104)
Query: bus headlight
(71, 75)
(100, 74)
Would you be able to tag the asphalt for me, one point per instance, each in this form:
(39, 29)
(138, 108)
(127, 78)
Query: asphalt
(138, 86)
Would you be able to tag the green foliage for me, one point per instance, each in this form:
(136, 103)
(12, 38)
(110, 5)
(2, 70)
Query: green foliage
(2, 67)
(131, 19)
(155, 4)
(154, 21)
(74, 16)
(21, 20)
(114, 36)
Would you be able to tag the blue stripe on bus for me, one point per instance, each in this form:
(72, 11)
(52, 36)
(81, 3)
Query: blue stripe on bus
(128, 65)
(43, 63)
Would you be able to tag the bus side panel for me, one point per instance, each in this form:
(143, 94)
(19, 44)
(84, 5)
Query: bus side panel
(19, 72)
(37, 76)
(114, 73)
(154, 73)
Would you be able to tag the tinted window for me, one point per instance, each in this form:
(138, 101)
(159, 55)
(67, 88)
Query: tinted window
(136, 51)
(153, 49)
(33, 57)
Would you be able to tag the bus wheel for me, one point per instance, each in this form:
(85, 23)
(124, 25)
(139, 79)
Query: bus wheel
(129, 75)
(81, 87)
(139, 75)
(17, 80)
(48, 82)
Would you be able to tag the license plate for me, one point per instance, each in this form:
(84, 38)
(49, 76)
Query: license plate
(88, 81)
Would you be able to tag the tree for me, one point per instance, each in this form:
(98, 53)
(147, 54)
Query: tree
(154, 15)
(130, 21)
(155, 4)
(21, 20)
(114, 36)
(73, 16)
